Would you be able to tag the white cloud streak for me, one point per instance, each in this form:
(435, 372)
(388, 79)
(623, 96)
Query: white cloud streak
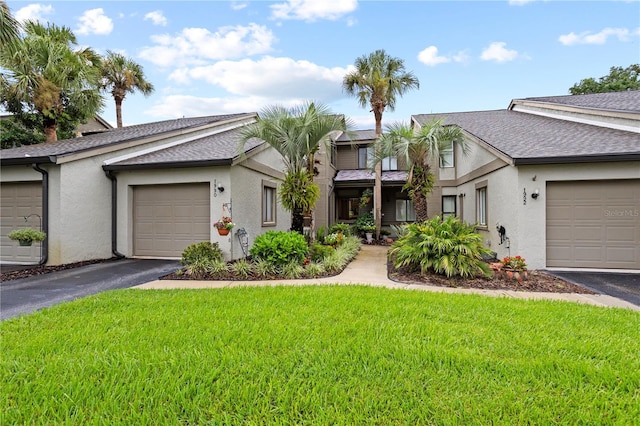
(33, 12)
(94, 21)
(587, 37)
(156, 17)
(197, 46)
(429, 56)
(498, 52)
(313, 10)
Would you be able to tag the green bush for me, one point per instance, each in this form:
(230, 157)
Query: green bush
(365, 223)
(340, 228)
(27, 234)
(318, 252)
(201, 252)
(280, 248)
(448, 247)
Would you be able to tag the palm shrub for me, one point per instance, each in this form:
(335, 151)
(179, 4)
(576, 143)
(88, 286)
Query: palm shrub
(340, 228)
(280, 248)
(445, 246)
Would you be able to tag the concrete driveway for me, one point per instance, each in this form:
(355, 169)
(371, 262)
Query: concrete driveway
(625, 286)
(26, 295)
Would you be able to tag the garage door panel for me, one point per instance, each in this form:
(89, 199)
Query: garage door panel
(593, 224)
(18, 200)
(168, 218)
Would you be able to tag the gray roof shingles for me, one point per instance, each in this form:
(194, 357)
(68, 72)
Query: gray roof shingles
(536, 139)
(357, 135)
(628, 100)
(112, 137)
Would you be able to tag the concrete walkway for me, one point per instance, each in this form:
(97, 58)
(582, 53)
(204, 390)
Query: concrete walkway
(370, 267)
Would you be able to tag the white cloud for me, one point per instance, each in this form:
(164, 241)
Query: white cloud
(94, 21)
(312, 10)
(235, 5)
(623, 34)
(177, 106)
(196, 46)
(269, 77)
(429, 56)
(33, 12)
(498, 52)
(157, 17)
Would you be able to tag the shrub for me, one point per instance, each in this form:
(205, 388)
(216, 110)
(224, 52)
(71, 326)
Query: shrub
(314, 270)
(292, 270)
(241, 268)
(340, 228)
(448, 247)
(318, 252)
(280, 248)
(334, 239)
(516, 263)
(365, 223)
(320, 234)
(264, 269)
(204, 251)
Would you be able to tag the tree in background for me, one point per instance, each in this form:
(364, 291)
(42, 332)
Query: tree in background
(50, 75)
(618, 80)
(419, 148)
(297, 134)
(122, 75)
(9, 27)
(378, 79)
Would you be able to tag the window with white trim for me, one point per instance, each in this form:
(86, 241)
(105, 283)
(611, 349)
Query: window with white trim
(405, 211)
(446, 154)
(389, 163)
(481, 206)
(365, 155)
(448, 205)
(268, 204)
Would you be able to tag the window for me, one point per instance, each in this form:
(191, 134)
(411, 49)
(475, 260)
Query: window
(405, 212)
(268, 204)
(365, 155)
(481, 206)
(446, 154)
(448, 205)
(389, 163)
(334, 153)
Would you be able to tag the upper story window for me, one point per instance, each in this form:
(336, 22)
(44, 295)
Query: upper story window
(365, 155)
(446, 155)
(389, 163)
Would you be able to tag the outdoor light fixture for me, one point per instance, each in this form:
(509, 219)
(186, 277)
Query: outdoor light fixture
(220, 188)
(535, 194)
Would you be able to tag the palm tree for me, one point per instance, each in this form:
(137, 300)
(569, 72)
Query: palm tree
(122, 75)
(8, 26)
(49, 74)
(297, 134)
(419, 148)
(378, 79)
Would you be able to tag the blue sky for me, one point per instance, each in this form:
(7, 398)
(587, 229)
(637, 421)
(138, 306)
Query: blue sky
(220, 57)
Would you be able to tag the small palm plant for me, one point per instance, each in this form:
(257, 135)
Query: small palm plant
(445, 246)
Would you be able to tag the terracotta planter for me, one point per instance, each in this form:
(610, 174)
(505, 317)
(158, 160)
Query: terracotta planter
(223, 231)
(510, 274)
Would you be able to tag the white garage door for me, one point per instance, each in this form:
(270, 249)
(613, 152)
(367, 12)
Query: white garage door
(593, 224)
(17, 201)
(168, 218)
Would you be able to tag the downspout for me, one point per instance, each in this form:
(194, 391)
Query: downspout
(114, 215)
(44, 246)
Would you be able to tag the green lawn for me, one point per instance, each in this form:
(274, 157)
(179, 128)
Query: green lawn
(319, 355)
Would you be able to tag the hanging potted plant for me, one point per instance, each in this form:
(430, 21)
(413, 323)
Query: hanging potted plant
(224, 225)
(26, 236)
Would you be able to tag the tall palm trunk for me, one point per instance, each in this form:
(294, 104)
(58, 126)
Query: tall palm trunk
(118, 99)
(378, 108)
(50, 130)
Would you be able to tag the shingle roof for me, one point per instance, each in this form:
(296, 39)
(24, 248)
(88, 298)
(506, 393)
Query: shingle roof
(354, 175)
(357, 135)
(112, 137)
(613, 101)
(215, 149)
(528, 138)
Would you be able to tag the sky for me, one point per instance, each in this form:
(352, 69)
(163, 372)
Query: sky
(224, 57)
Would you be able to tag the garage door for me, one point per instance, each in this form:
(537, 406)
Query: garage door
(167, 218)
(18, 200)
(593, 224)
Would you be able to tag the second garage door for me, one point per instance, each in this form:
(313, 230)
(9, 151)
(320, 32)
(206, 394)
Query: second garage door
(17, 201)
(593, 224)
(168, 218)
